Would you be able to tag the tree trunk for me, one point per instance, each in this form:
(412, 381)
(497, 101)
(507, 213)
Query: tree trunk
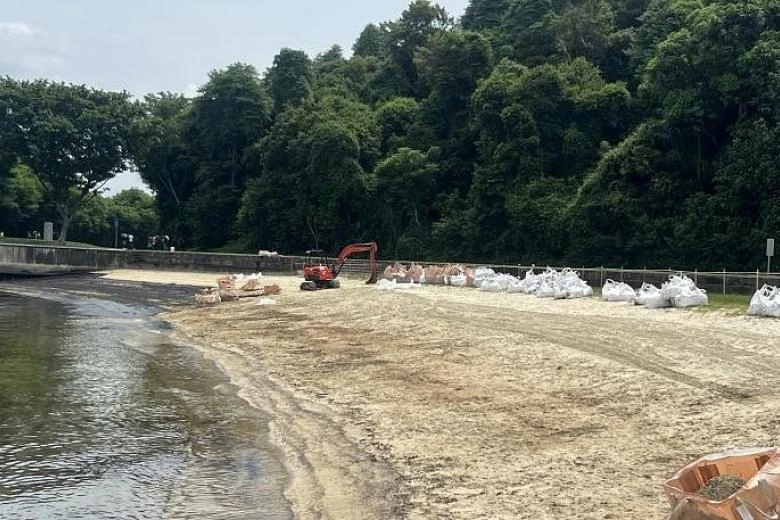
(314, 234)
(233, 165)
(66, 215)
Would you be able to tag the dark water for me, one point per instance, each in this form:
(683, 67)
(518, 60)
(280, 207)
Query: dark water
(103, 417)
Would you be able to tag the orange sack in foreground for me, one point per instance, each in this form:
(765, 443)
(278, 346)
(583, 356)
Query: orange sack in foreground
(757, 499)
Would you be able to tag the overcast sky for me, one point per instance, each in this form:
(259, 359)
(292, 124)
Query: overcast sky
(156, 45)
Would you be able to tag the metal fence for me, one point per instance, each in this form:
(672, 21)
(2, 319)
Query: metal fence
(714, 282)
(722, 282)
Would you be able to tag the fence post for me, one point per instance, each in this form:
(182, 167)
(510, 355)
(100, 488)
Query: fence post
(622, 269)
(644, 274)
(724, 281)
(757, 275)
(696, 277)
(602, 276)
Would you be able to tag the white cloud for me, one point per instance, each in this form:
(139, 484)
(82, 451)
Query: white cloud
(28, 52)
(15, 29)
(191, 90)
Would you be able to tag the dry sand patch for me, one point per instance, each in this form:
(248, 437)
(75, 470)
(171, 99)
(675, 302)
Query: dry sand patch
(455, 403)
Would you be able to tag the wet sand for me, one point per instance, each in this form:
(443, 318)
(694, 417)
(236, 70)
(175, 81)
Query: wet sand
(455, 403)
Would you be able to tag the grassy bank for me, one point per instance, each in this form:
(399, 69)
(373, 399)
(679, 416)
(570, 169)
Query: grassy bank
(728, 303)
(724, 303)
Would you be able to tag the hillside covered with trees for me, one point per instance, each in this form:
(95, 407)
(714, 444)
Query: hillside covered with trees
(633, 132)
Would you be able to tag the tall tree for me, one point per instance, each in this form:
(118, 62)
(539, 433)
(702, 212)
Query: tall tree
(74, 138)
(402, 184)
(529, 29)
(396, 118)
(583, 29)
(163, 158)
(450, 66)
(693, 79)
(313, 187)
(421, 20)
(289, 78)
(230, 115)
(509, 154)
(484, 14)
(231, 112)
(660, 19)
(371, 42)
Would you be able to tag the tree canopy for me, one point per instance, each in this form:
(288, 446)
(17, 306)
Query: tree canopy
(73, 138)
(632, 132)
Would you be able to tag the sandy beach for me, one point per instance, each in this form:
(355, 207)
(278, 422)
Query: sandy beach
(459, 404)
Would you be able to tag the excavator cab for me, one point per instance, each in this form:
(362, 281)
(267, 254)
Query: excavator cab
(319, 273)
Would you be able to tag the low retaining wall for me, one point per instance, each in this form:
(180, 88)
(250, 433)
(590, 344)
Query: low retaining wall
(62, 259)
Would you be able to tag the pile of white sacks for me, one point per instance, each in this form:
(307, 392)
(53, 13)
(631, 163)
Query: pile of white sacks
(678, 291)
(766, 302)
(565, 284)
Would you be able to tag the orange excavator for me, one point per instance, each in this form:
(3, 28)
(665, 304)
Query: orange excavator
(320, 274)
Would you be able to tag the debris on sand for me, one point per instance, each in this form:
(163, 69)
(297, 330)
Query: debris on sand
(720, 488)
(272, 290)
(253, 282)
(233, 287)
(208, 297)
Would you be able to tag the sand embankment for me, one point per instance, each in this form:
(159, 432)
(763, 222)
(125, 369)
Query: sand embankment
(454, 403)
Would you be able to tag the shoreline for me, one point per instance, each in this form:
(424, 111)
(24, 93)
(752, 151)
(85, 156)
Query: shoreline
(312, 442)
(147, 302)
(333, 473)
(456, 403)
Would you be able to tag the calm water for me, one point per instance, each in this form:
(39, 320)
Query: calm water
(102, 417)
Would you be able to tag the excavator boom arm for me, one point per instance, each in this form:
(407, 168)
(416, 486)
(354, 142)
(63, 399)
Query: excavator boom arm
(351, 249)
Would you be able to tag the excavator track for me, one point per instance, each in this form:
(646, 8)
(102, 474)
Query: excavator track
(308, 286)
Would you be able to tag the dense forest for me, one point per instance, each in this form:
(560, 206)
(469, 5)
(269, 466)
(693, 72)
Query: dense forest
(602, 132)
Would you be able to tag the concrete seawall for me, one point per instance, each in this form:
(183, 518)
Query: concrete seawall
(23, 259)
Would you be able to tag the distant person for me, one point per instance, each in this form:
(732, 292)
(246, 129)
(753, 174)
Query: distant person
(130, 240)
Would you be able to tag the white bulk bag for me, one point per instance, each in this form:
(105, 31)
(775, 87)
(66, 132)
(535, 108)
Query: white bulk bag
(458, 280)
(650, 296)
(617, 292)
